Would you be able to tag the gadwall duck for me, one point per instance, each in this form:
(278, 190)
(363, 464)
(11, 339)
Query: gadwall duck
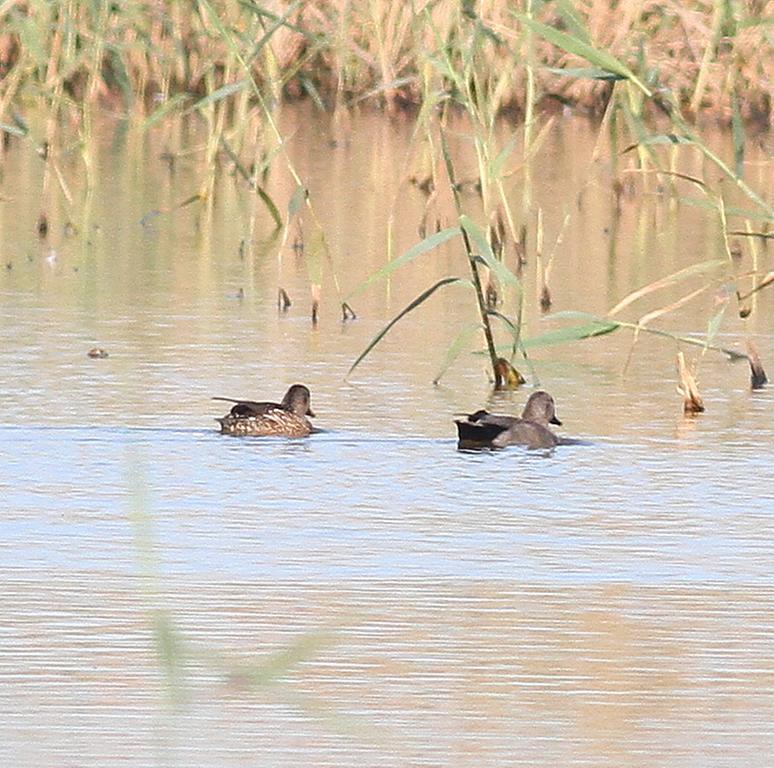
(487, 430)
(285, 419)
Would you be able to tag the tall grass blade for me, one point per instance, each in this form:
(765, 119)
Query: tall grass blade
(675, 277)
(572, 20)
(737, 134)
(12, 130)
(220, 93)
(260, 191)
(424, 296)
(707, 205)
(297, 200)
(661, 138)
(585, 50)
(601, 321)
(585, 73)
(713, 326)
(455, 348)
(169, 106)
(270, 205)
(430, 242)
(597, 327)
(485, 253)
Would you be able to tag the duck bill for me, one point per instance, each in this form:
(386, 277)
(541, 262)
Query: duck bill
(310, 412)
(555, 420)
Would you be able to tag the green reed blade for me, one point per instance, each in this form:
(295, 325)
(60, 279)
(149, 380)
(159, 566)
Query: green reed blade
(572, 333)
(713, 325)
(169, 106)
(578, 47)
(737, 134)
(584, 73)
(220, 93)
(476, 234)
(731, 210)
(664, 282)
(297, 200)
(430, 242)
(12, 129)
(601, 321)
(270, 205)
(413, 305)
(572, 20)
(455, 348)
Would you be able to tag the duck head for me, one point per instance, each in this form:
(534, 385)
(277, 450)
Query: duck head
(298, 400)
(541, 409)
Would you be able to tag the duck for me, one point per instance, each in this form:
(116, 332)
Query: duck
(488, 430)
(285, 419)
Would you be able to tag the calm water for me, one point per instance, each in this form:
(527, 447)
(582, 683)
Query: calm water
(368, 596)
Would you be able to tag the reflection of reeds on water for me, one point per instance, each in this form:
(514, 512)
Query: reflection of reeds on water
(179, 655)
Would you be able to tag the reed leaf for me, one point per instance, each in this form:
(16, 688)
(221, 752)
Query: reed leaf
(476, 234)
(270, 205)
(585, 50)
(767, 281)
(601, 321)
(572, 19)
(297, 200)
(456, 347)
(503, 155)
(260, 191)
(380, 89)
(430, 242)
(169, 106)
(713, 326)
(281, 21)
(661, 311)
(661, 138)
(675, 277)
(597, 327)
(12, 130)
(424, 296)
(277, 22)
(585, 73)
(220, 93)
(731, 210)
(737, 134)
(514, 330)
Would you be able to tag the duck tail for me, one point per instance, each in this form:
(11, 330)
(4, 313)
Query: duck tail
(477, 432)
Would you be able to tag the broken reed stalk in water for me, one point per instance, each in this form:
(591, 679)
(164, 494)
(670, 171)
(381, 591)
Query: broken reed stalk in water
(758, 378)
(692, 402)
(506, 376)
(315, 303)
(283, 300)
